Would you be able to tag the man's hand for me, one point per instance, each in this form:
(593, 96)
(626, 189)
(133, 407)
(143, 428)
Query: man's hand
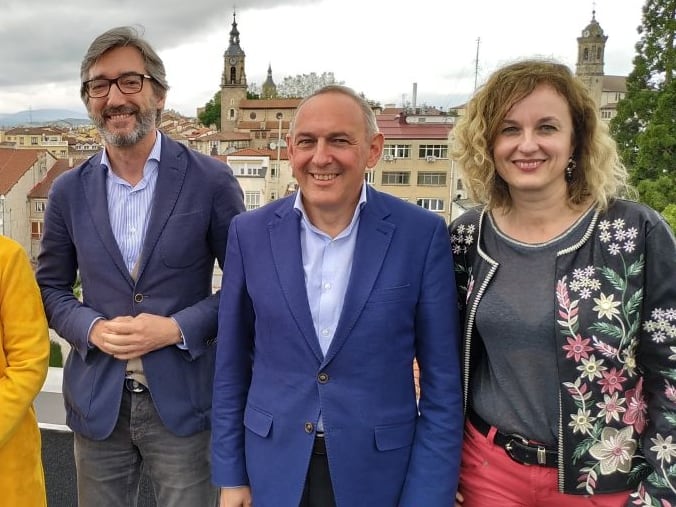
(236, 497)
(130, 337)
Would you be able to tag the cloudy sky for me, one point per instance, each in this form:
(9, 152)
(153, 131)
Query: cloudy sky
(377, 47)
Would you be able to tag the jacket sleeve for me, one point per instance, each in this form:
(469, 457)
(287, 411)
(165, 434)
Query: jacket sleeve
(198, 322)
(57, 274)
(233, 370)
(657, 360)
(435, 457)
(23, 336)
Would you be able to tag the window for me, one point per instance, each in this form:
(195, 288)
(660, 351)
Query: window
(252, 199)
(40, 206)
(36, 229)
(273, 196)
(34, 141)
(245, 170)
(370, 177)
(433, 150)
(432, 179)
(397, 151)
(396, 178)
(431, 204)
(252, 115)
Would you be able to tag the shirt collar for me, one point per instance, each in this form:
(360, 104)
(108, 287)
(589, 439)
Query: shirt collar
(300, 209)
(153, 155)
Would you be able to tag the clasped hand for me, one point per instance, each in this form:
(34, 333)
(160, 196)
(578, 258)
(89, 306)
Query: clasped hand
(129, 337)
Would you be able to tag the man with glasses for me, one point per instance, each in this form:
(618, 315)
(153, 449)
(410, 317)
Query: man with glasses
(142, 224)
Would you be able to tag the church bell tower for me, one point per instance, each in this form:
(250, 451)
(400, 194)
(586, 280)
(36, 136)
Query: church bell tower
(590, 52)
(233, 80)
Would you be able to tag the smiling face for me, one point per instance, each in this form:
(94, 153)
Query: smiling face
(533, 145)
(123, 120)
(329, 150)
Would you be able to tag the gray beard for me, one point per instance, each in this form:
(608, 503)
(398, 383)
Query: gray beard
(146, 123)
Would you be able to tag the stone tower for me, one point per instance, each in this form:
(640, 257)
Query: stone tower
(269, 89)
(233, 81)
(590, 52)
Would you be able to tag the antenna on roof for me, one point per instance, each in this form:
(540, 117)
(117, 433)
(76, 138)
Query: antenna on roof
(476, 62)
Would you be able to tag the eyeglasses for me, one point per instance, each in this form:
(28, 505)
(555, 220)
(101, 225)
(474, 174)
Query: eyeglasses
(128, 84)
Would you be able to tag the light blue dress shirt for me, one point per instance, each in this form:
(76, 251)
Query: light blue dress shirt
(327, 264)
(129, 207)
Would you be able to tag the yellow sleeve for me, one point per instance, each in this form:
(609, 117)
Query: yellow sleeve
(24, 338)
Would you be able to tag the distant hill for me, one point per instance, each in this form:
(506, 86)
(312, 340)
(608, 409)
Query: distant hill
(35, 117)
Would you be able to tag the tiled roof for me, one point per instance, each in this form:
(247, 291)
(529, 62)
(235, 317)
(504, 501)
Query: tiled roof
(41, 189)
(614, 84)
(14, 164)
(269, 104)
(251, 152)
(393, 128)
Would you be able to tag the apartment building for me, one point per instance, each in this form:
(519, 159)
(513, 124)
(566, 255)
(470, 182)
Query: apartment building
(32, 138)
(20, 171)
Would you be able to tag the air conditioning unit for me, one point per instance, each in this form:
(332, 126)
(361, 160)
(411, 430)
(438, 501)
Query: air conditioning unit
(430, 158)
(388, 158)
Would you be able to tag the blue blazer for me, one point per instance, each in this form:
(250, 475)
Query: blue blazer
(272, 379)
(195, 199)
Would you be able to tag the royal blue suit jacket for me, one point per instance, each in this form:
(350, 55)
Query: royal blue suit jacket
(272, 379)
(195, 199)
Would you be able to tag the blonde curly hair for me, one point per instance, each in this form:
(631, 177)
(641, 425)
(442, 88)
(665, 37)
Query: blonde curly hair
(599, 174)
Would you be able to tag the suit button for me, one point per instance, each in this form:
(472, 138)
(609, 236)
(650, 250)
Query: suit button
(309, 427)
(138, 297)
(323, 377)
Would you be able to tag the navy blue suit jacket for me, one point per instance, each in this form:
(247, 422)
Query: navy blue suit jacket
(272, 379)
(195, 199)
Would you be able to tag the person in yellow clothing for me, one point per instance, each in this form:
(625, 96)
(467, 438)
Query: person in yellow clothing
(24, 358)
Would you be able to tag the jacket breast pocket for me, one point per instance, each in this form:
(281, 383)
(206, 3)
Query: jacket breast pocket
(394, 436)
(257, 421)
(391, 294)
(183, 241)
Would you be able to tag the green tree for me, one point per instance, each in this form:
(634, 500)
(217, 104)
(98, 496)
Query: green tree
(211, 114)
(302, 85)
(645, 125)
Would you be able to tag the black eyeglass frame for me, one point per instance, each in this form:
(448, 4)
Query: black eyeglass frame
(85, 85)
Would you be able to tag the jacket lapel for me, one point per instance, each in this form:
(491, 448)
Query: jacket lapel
(288, 260)
(170, 176)
(373, 241)
(94, 184)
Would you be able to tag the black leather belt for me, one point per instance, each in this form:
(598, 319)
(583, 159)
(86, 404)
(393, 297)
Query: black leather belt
(319, 447)
(518, 448)
(134, 386)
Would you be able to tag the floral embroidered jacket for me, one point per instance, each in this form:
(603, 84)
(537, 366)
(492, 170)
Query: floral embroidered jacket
(615, 320)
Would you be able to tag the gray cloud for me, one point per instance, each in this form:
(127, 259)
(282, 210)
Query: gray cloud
(43, 41)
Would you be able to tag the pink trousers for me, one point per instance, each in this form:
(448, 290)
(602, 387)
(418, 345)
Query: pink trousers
(490, 478)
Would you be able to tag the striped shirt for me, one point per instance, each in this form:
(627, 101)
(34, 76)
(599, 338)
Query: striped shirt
(129, 207)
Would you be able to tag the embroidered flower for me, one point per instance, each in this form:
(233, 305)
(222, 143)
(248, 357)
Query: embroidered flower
(669, 391)
(632, 233)
(615, 450)
(629, 246)
(577, 348)
(611, 407)
(582, 421)
(605, 236)
(612, 381)
(604, 225)
(591, 368)
(664, 448)
(618, 223)
(614, 249)
(636, 407)
(606, 306)
(660, 326)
